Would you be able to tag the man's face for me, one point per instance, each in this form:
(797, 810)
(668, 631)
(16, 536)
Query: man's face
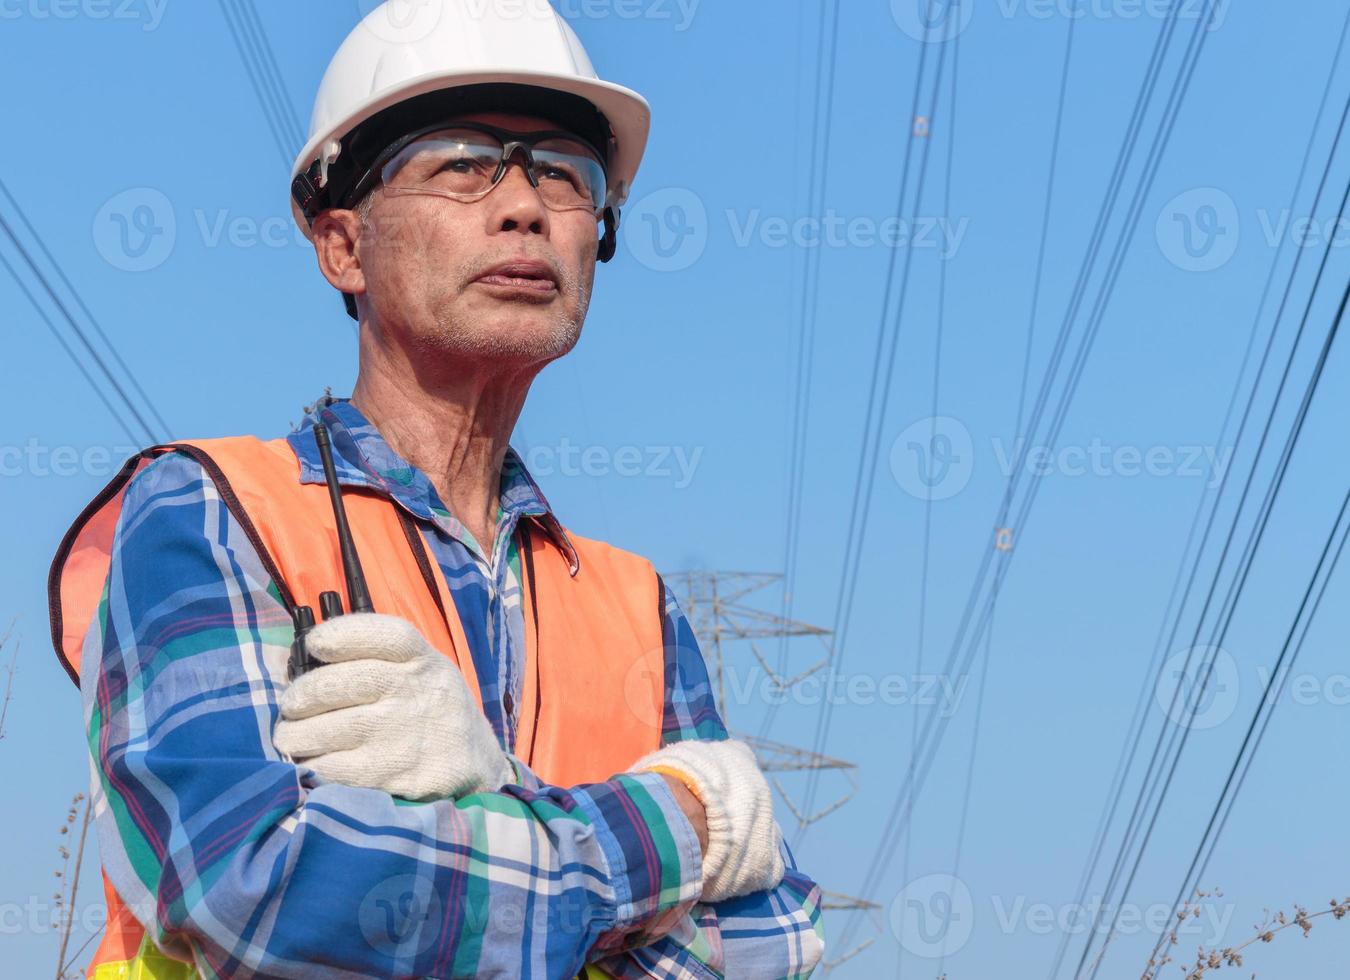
(503, 277)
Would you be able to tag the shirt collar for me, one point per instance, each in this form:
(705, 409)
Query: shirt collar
(362, 458)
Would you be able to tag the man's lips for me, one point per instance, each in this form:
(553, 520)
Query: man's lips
(522, 274)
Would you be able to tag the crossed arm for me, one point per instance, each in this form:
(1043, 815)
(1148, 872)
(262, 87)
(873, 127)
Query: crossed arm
(256, 867)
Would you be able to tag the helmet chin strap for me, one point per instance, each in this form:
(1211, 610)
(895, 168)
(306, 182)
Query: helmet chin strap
(609, 243)
(610, 240)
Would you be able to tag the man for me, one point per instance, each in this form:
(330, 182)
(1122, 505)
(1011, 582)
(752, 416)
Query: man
(513, 766)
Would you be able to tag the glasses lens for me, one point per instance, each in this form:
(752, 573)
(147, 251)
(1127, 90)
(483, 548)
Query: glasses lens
(461, 164)
(568, 174)
(454, 163)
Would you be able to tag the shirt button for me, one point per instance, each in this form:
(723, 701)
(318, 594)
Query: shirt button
(509, 703)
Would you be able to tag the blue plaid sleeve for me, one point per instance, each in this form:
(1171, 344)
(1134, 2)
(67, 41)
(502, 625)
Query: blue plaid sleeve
(771, 934)
(252, 867)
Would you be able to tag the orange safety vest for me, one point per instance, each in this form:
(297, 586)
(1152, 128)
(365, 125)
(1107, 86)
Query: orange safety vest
(594, 688)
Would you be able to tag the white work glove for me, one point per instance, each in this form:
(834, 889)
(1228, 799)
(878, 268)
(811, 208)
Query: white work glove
(744, 853)
(388, 712)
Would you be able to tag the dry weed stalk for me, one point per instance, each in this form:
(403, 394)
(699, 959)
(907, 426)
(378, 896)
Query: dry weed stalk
(69, 889)
(9, 674)
(1215, 959)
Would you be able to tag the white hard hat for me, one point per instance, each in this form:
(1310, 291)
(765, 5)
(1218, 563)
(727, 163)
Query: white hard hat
(406, 50)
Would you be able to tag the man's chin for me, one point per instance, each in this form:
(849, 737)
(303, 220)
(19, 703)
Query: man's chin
(517, 333)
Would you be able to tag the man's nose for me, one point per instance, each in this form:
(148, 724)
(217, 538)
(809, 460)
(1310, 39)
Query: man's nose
(516, 202)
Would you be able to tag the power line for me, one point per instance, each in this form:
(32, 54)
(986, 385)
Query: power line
(1245, 562)
(148, 431)
(1265, 709)
(1131, 743)
(271, 70)
(68, 349)
(1039, 278)
(954, 14)
(801, 404)
(256, 53)
(164, 426)
(932, 735)
(970, 767)
(1146, 793)
(874, 417)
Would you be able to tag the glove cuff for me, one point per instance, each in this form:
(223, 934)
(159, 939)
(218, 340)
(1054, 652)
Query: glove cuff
(706, 768)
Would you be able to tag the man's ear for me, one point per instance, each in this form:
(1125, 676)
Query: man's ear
(335, 234)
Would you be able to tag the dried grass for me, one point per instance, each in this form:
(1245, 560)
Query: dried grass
(68, 890)
(9, 673)
(1207, 960)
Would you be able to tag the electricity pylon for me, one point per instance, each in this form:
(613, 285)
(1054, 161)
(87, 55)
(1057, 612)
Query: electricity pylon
(713, 602)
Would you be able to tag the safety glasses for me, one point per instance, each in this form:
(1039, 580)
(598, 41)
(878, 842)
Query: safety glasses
(465, 161)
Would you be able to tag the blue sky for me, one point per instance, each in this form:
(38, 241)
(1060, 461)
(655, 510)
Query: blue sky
(137, 119)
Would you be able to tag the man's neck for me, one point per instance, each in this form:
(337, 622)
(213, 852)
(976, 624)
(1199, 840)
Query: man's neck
(456, 430)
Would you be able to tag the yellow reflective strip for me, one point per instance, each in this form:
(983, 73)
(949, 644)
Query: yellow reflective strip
(149, 964)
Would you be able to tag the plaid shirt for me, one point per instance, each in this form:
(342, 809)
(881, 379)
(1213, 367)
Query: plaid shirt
(252, 866)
